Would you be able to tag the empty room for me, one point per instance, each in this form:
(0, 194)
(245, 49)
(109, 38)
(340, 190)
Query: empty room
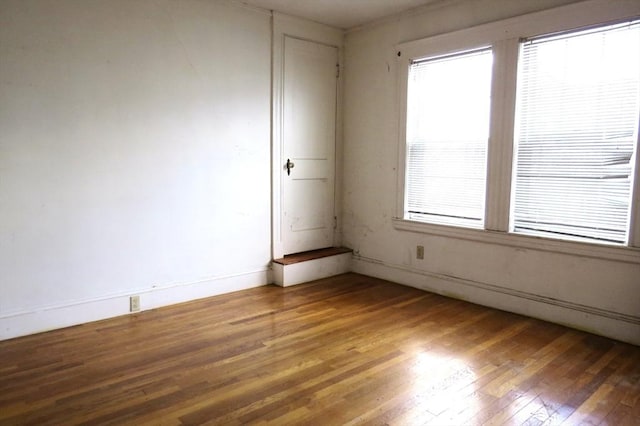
(319, 212)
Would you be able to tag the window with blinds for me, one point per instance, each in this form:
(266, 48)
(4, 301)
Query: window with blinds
(576, 134)
(448, 103)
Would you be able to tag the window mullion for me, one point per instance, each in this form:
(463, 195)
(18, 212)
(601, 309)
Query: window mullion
(500, 149)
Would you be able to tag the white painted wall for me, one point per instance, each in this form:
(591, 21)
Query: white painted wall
(134, 156)
(595, 294)
(135, 159)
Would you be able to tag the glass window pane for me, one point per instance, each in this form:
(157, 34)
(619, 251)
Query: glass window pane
(448, 106)
(578, 104)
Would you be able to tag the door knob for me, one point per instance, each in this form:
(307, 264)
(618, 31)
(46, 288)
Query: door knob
(289, 166)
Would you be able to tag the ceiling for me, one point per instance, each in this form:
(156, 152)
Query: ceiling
(339, 13)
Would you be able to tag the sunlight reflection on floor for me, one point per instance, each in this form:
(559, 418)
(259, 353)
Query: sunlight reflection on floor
(443, 387)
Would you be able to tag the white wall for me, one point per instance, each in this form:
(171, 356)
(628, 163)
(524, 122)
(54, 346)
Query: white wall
(135, 159)
(134, 156)
(595, 294)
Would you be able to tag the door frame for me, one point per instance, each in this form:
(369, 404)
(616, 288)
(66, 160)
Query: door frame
(288, 26)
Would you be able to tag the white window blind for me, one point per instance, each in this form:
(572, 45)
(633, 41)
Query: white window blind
(448, 103)
(577, 132)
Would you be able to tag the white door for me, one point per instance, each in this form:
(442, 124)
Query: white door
(308, 147)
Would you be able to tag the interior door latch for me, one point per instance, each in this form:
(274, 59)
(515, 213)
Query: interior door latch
(289, 166)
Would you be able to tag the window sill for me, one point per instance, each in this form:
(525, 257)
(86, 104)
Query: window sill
(593, 250)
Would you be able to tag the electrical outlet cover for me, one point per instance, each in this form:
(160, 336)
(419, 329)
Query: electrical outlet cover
(134, 303)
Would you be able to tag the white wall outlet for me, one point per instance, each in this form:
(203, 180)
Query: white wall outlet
(134, 303)
(420, 252)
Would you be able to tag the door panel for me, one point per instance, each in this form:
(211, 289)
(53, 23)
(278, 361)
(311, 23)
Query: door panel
(309, 119)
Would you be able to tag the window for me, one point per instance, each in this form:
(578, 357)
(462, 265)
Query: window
(526, 127)
(448, 101)
(577, 127)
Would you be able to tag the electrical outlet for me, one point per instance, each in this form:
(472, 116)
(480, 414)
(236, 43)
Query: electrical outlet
(420, 252)
(134, 303)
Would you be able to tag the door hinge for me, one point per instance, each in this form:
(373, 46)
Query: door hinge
(335, 222)
(337, 70)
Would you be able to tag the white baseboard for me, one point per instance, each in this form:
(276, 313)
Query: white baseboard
(611, 324)
(54, 317)
(309, 270)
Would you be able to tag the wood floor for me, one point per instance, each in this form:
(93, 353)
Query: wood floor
(344, 350)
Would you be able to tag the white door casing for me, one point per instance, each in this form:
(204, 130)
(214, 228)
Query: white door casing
(308, 144)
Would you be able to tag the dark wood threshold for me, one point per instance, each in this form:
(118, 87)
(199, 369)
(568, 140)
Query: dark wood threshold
(311, 255)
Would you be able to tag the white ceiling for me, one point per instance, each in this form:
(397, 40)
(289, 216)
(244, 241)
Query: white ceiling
(339, 13)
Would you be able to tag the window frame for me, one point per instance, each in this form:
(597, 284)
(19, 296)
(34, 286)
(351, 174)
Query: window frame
(446, 220)
(520, 117)
(504, 38)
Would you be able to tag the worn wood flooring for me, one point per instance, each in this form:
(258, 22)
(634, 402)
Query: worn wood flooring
(344, 350)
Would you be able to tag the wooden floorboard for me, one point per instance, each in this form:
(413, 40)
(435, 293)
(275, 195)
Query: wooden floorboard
(344, 350)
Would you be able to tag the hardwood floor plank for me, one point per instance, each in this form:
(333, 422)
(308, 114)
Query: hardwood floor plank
(345, 350)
